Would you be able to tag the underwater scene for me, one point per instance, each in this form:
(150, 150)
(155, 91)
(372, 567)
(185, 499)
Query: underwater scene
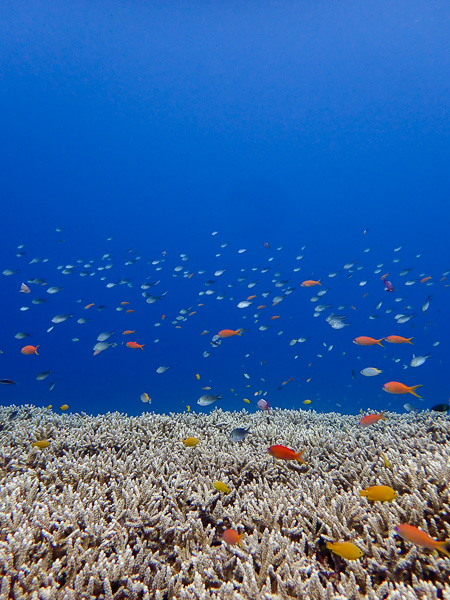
(224, 281)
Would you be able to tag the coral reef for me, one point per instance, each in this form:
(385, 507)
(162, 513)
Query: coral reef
(118, 508)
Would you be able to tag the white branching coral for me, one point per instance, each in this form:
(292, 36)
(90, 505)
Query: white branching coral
(117, 507)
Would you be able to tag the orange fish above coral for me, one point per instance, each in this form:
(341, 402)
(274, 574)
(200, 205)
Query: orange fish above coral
(395, 387)
(285, 453)
(372, 419)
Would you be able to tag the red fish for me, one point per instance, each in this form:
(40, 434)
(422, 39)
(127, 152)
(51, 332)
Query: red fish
(372, 419)
(364, 340)
(30, 350)
(420, 538)
(310, 283)
(224, 333)
(135, 345)
(232, 537)
(286, 453)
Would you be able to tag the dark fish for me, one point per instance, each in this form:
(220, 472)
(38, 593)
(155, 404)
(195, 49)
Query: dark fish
(353, 374)
(389, 287)
(7, 382)
(238, 434)
(441, 407)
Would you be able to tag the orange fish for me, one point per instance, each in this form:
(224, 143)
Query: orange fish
(190, 275)
(225, 333)
(364, 340)
(384, 276)
(135, 345)
(310, 283)
(275, 317)
(30, 350)
(261, 306)
(395, 387)
(251, 297)
(420, 538)
(89, 305)
(128, 331)
(232, 537)
(190, 314)
(372, 419)
(204, 332)
(398, 339)
(130, 310)
(123, 303)
(286, 453)
(425, 279)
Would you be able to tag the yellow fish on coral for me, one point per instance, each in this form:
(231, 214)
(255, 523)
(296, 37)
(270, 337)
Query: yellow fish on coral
(41, 444)
(190, 442)
(347, 550)
(379, 493)
(221, 487)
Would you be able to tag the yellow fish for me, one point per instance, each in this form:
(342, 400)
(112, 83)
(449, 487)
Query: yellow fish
(347, 550)
(379, 493)
(188, 408)
(306, 401)
(41, 444)
(64, 407)
(387, 464)
(49, 407)
(198, 376)
(247, 401)
(190, 442)
(221, 487)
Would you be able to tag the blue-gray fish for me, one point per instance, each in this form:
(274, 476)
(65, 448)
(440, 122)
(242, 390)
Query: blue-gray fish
(238, 434)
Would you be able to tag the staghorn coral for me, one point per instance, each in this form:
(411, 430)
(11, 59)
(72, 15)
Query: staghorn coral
(116, 507)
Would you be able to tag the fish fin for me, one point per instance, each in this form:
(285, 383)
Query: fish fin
(379, 342)
(410, 342)
(444, 547)
(414, 387)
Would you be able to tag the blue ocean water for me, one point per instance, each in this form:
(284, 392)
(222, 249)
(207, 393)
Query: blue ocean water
(132, 134)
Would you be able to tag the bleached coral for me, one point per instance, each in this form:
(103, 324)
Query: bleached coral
(117, 507)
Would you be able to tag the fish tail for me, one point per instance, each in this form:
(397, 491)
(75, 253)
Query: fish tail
(409, 341)
(414, 387)
(36, 352)
(142, 347)
(444, 547)
(379, 342)
(318, 282)
(299, 457)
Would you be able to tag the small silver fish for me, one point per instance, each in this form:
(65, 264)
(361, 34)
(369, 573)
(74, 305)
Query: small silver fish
(43, 375)
(417, 361)
(61, 318)
(162, 369)
(207, 399)
(102, 337)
